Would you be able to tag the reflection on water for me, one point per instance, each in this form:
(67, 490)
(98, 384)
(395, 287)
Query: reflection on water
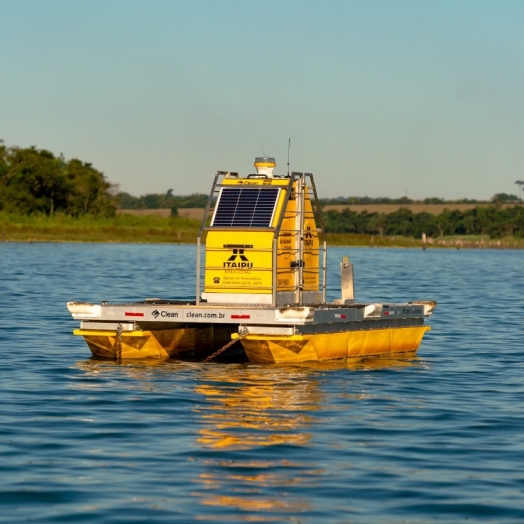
(140, 375)
(142, 368)
(253, 427)
(250, 406)
(244, 485)
(366, 364)
(257, 389)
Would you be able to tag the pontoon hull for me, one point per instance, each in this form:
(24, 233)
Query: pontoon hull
(159, 343)
(351, 345)
(200, 342)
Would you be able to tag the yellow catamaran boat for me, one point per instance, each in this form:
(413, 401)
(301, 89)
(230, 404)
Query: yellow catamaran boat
(260, 288)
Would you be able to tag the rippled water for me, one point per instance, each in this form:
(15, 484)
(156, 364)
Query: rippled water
(437, 438)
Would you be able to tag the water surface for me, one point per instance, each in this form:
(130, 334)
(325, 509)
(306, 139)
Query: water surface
(439, 438)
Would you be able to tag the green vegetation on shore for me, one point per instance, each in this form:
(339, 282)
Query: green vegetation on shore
(44, 197)
(155, 229)
(161, 201)
(121, 228)
(36, 181)
(454, 241)
(493, 221)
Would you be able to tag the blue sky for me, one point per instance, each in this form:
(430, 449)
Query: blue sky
(379, 97)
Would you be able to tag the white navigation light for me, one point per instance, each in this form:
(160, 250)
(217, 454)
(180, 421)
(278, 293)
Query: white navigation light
(265, 165)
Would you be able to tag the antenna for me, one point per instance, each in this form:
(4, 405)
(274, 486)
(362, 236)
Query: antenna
(288, 148)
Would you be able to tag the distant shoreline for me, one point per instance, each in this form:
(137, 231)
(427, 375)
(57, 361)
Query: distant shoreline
(386, 242)
(179, 230)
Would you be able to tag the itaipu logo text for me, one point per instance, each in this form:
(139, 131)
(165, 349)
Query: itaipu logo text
(238, 259)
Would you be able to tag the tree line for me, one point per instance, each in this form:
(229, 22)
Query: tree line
(36, 181)
(491, 220)
(404, 201)
(161, 201)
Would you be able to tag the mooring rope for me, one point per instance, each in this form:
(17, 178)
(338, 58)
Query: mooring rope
(118, 344)
(222, 349)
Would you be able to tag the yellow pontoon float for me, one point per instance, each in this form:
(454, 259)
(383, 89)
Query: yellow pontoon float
(260, 288)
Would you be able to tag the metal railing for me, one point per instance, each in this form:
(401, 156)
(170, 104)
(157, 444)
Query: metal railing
(301, 188)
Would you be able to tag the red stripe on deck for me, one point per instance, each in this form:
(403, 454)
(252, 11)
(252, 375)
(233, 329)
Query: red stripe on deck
(241, 316)
(129, 314)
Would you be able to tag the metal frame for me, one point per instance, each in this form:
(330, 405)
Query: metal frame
(303, 182)
(321, 232)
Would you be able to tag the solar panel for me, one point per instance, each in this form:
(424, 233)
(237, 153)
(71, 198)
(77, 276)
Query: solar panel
(245, 207)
